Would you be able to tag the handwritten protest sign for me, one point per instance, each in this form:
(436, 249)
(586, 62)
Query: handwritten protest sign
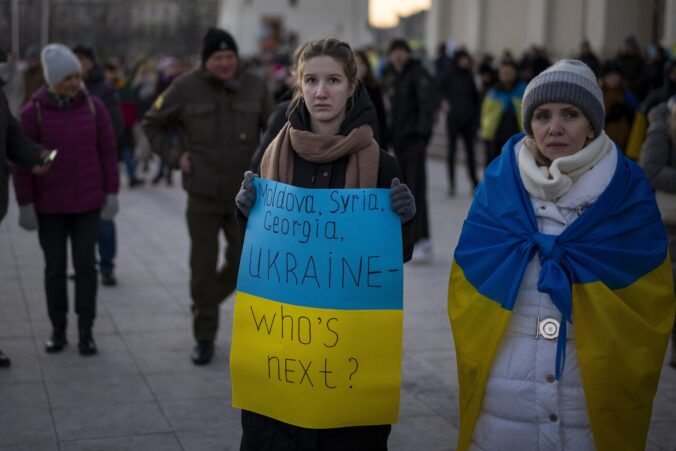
(317, 330)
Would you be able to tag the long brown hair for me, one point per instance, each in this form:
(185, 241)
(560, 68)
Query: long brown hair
(369, 79)
(338, 50)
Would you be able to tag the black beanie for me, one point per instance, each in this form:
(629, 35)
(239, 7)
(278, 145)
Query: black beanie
(215, 40)
(87, 52)
(398, 44)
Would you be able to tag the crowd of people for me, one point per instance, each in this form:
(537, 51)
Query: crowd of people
(562, 219)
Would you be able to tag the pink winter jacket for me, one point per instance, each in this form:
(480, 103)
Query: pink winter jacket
(85, 169)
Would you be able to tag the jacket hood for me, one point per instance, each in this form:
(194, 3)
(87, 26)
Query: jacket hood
(362, 112)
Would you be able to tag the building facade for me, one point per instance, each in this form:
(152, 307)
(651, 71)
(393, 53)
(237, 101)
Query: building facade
(280, 25)
(133, 28)
(490, 26)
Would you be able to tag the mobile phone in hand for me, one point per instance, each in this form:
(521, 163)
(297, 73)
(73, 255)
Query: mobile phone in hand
(49, 158)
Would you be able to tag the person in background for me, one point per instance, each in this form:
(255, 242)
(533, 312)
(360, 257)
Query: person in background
(499, 110)
(633, 66)
(658, 160)
(33, 78)
(442, 63)
(587, 56)
(561, 299)
(365, 74)
(620, 103)
(326, 143)
(81, 186)
(658, 56)
(410, 100)
(95, 82)
(15, 149)
(169, 70)
(461, 105)
(11, 72)
(219, 110)
(487, 74)
(144, 81)
(663, 93)
(116, 77)
(97, 86)
(533, 62)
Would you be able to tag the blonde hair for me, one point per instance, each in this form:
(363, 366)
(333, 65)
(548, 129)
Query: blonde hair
(338, 50)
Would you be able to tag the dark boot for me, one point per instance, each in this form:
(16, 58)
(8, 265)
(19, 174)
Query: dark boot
(86, 346)
(57, 341)
(202, 353)
(4, 360)
(108, 278)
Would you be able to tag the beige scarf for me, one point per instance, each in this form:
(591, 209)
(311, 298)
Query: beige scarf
(553, 181)
(362, 165)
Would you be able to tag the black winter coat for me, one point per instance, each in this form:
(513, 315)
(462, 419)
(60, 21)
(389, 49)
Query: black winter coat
(663, 94)
(14, 147)
(459, 89)
(99, 87)
(411, 94)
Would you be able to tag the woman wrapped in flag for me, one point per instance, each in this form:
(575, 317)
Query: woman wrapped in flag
(560, 297)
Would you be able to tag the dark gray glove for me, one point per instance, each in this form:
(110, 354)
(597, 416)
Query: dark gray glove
(247, 194)
(403, 202)
(28, 220)
(110, 207)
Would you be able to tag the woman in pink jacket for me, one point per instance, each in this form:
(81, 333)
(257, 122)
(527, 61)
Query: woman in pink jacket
(80, 187)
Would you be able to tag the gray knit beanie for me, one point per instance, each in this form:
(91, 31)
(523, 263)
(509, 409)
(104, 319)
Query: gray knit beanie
(567, 81)
(58, 62)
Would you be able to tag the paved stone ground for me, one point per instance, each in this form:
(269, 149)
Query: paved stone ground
(142, 392)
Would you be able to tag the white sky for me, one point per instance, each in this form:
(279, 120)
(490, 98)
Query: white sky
(384, 13)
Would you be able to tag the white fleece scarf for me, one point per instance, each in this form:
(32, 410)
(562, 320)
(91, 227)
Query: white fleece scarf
(550, 183)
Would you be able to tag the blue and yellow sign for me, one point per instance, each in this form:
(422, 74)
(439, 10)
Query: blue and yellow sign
(317, 331)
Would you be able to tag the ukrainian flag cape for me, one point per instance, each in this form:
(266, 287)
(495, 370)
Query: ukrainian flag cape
(608, 271)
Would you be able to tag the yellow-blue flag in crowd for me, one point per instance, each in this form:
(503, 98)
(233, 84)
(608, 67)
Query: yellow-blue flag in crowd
(317, 331)
(608, 271)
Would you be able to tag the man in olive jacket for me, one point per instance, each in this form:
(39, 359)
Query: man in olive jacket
(208, 124)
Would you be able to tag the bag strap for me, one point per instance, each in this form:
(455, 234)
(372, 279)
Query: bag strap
(38, 114)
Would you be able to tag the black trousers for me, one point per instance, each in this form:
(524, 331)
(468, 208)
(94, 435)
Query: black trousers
(466, 132)
(261, 433)
(209, 284)
(411, 156)
(54, 230)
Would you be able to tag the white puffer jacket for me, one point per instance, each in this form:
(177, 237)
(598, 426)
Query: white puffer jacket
(524, 407)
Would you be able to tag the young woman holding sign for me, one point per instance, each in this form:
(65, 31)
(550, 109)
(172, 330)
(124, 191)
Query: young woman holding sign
(327, 143)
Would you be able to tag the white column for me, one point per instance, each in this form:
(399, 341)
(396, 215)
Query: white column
(229, 17)
(538, 22)
(475, 25)
(360, 35)
(595, 27)
(433, 26)
(669, 37)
